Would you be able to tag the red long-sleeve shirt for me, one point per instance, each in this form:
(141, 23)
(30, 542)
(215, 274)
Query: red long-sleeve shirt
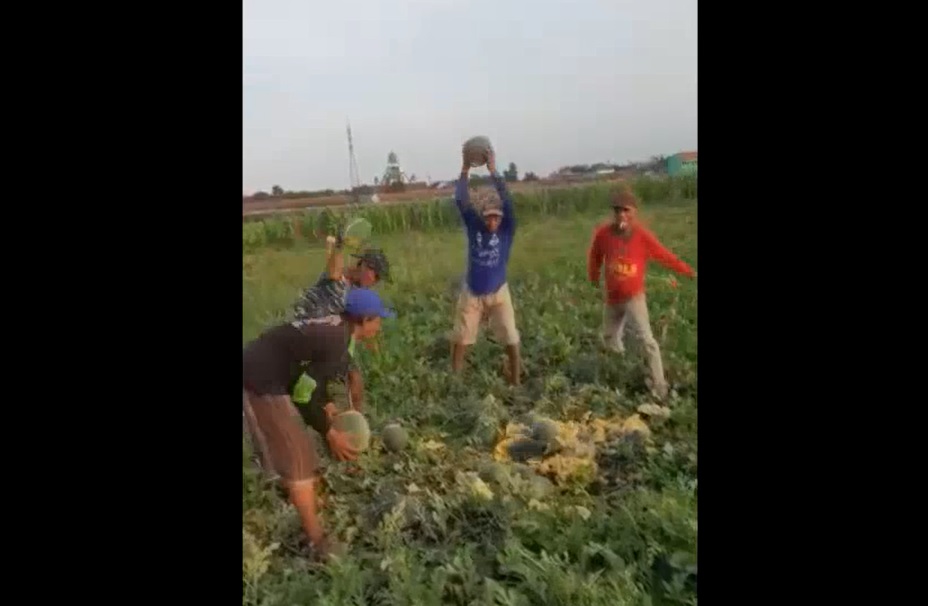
(626, 260)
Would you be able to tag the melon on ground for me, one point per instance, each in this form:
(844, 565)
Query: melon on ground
(394, 437)
(355, 425)
(544, 430)
(524, 449)
(494, 472)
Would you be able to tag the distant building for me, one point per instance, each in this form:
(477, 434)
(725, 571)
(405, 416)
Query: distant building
(683, 163)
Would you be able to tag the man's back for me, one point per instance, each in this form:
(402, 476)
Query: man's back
(326, 298)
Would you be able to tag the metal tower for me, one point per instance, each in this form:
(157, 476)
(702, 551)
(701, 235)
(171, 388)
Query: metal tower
(354, 178)
(394, 173)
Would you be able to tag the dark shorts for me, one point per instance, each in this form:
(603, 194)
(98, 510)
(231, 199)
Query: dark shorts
(314, 415)
(278, 434)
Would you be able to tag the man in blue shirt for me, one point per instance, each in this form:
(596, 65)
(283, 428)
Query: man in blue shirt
(485, 293)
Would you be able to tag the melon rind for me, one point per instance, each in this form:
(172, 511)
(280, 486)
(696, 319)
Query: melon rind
(394, 437)
(355, 425)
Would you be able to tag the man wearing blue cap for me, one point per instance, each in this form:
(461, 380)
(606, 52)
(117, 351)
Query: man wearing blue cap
(324, 303)
(271, 364)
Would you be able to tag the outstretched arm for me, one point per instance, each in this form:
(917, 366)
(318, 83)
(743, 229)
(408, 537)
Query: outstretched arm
(659, 253)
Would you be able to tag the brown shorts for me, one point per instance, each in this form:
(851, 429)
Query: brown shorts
(278, 433)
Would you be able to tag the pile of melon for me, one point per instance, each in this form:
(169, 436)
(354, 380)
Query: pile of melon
(533, 455)
(567, 450)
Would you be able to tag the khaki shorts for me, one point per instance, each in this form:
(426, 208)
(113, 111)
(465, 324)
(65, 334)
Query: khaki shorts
(280, 437)
(496, 308)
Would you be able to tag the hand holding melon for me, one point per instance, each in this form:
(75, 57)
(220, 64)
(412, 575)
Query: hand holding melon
(340, 445)
(477, 151)
(348, 433)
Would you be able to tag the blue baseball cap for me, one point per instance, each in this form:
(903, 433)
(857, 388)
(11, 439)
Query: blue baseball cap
(365, 302)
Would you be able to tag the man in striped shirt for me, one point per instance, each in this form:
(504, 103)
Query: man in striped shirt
(324, 301)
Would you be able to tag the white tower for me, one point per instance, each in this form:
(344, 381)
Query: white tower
(393, 173)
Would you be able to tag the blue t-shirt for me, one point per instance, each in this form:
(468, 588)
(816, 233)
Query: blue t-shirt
(487, 253)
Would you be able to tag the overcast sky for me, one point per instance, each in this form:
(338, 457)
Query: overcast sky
(551, 84)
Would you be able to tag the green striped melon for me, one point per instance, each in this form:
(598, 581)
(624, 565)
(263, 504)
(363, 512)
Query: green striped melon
(394, 437)
(355, 425)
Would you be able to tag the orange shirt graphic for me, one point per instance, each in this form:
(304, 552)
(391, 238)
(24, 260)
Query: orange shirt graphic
(623, 268)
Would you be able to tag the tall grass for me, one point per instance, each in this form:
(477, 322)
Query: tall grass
(441, 213)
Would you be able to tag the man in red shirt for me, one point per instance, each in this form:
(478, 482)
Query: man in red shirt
(624, 247)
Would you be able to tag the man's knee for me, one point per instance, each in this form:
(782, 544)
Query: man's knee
(299, 466)
(511, 338)
(503, 323)
(464, 337)
(651, 345)
(301, 485)
(504, 328)
(466, 327)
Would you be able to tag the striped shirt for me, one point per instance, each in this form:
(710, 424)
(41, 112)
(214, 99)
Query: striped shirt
(322, 303)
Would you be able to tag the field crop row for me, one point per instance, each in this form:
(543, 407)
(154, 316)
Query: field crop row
(440, 213)
(445, 521)
(252, 208)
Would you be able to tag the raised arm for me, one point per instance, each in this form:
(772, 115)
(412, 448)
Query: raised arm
(508, 224)
(335, 261)
(659, 253)
(462, 199)
(594, 256)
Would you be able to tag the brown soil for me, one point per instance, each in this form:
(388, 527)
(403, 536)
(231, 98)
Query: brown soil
(270, 206)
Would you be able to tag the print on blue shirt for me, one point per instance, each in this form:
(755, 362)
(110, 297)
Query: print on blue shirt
(487, 253)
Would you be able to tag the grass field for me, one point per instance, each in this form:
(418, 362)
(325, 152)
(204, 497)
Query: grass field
(615, 525)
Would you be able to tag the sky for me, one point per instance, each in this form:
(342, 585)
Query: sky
(550, 83)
